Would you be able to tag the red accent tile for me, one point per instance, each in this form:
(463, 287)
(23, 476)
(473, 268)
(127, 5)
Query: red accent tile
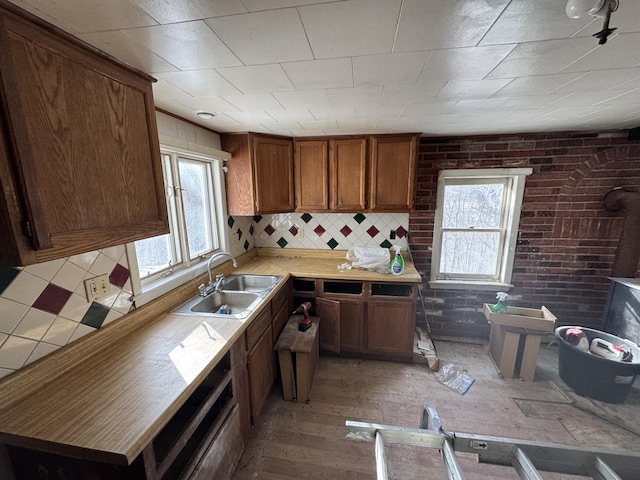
(319, 230)
(346, 231)
(269, 229)
(239, 232)
(373, 231)
(293, 230)
(119, 276)
(251, 230)
(400, 232)
(52, 299)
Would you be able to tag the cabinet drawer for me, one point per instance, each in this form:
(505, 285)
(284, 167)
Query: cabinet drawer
(279, 301)
(258, 326)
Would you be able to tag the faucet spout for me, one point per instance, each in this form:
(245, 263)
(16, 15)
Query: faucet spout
(215, 257)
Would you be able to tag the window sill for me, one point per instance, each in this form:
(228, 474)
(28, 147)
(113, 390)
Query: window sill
(468, 285)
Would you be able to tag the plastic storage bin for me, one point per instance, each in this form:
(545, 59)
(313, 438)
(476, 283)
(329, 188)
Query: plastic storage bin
(596, 377)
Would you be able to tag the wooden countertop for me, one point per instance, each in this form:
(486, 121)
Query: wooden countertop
(106, 396)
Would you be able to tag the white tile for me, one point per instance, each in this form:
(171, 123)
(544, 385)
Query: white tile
(173, 12)
(84, 260)
(281, 115)
(432, 108)
(46, 270)
(116, 43)
(41, 350)
(69, 276)
(388, 68)
(471, 89)
(341, 97)
(355, 27)
(450, 24)
(336, 113)
(76, 307)
(536, 85)
(419, 93)
(81, 331)
(619, 52)
(25, 288)
(264, 37)
(15, 351)
(112, 316)
(254, 101)
(476, 106)
(102, 265)
(34, 324)
(257, 78)
(10, 314)
(463, 63)
(187, 46)
(315, 74)
(123, 303)
(312, 99)
(250, 117)
(375, 111)
(5, 371)
(214, 105)
(60, 332)
(257, 5)
(200, 83)
(117, 251)
(529, 103)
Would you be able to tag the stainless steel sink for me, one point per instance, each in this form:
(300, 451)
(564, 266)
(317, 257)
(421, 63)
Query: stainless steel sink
(239, 304)
(250, 283)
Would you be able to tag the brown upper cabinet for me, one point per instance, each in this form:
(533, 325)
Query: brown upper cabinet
(80, 161)
(344, 174)
(260, 173)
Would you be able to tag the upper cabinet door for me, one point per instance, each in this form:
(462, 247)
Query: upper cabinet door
(311, 167)
(80, 155)
(347, 171)
(273, 163)
(393, 173)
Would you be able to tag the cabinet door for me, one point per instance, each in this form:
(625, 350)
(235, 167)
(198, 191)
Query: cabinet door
(261, 372)
(393, 173)
(83, 144)
(273, 162)
(329, 313)
(390, 327)
(347, 173)
(311, 167)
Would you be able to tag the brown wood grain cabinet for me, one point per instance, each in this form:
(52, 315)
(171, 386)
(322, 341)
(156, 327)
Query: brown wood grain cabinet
(260, 174)
(348, 174)
(392, 180)
(80, 161)
(311, 167)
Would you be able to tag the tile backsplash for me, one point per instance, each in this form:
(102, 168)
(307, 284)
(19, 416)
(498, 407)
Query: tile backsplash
(44, 307)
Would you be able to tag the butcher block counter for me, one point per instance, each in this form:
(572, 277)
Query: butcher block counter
(106, 396)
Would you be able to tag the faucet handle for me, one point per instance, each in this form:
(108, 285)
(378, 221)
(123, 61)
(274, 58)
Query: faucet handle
(202, 289)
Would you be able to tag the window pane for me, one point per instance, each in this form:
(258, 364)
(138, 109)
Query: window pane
(472, 206)
(194, 182)
(474, 253)
(154, 255)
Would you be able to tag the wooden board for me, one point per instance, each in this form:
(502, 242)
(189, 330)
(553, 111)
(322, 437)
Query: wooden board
(527, 318)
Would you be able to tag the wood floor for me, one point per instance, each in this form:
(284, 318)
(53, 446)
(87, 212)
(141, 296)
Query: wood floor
(307, 441)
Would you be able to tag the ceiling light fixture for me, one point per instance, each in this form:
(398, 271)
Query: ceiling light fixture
(595, 8)
(206, 115)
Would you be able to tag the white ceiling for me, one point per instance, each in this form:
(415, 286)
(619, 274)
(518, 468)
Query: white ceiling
(321, 67)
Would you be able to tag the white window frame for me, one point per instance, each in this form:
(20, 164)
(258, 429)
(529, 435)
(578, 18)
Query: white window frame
(514, 180)
(153, 287)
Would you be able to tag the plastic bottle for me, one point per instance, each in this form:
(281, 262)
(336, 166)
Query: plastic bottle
(501, 306)
(397, 264)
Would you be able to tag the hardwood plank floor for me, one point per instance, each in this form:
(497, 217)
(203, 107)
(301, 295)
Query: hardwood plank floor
(307, 441)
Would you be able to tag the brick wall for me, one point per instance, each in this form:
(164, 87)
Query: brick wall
(567, 239)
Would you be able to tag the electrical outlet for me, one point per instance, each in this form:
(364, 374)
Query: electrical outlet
(301, 233)
(97, 287)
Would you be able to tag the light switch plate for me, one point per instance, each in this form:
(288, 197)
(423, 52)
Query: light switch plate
(97, 287)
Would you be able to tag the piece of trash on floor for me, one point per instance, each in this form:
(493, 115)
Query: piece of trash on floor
(424, 351)
(454, 378)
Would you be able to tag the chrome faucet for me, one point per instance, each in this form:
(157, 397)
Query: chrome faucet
(214, 287)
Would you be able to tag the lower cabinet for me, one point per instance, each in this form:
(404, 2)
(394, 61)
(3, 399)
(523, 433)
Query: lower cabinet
(260, 369)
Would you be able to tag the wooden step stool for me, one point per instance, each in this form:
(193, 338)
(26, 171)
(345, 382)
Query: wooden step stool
(298, 353)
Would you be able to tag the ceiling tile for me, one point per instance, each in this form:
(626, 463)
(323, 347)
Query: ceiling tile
(527, 21)
(620, 51)
(254, 101)
(388, 68)
(181, 11)
(417, 93)
(281, 115)
(602, 80)
(333, 113)
(126, 49)
(200, 83)
(208, 104)
(540, 58)
(536, 85)
(426, 109)
(188, 46)
(587, 99)
(264, 37)
(475, 106)
(530, 102)
(300, 100)
(253, 116)
(318, 125)
(471, 89)
(349, 28)
(258, 5)
(314, 74)
(472, 63)
(355, 96)
(257, 78)
(445, 24)
(374, 111)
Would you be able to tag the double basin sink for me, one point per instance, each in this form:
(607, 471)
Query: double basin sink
(240, 293)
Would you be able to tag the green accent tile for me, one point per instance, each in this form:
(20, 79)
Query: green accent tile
(95, 315)
(306, 217)
(386, 244)
(358, 217)
(282, 242)
(257, 218)
(332, 243)
(7, 275)
(230, 221)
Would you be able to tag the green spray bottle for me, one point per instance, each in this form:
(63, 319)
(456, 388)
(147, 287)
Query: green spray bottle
(501, 306)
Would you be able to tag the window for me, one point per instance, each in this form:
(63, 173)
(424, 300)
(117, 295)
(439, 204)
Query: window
(476, 227)
(195, 199)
